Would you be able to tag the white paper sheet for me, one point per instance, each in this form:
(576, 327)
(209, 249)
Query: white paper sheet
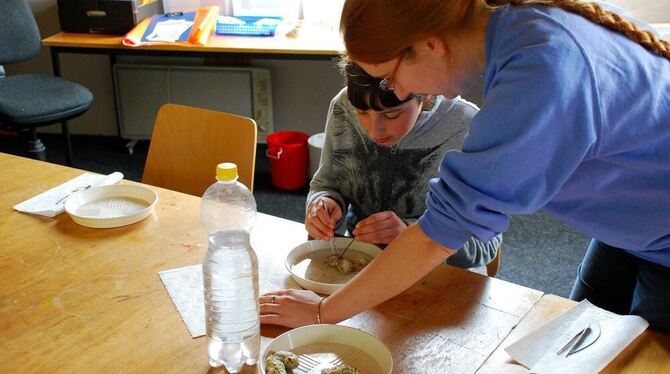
(537, 351)
(52, 202)
(169, 31)
(187, 293)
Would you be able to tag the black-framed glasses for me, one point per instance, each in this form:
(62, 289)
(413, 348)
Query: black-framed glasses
(388, 84)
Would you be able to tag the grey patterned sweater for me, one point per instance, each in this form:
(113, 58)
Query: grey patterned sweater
(367, 178)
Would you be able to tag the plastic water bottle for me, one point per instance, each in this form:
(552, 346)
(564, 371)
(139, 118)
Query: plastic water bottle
(230, 272)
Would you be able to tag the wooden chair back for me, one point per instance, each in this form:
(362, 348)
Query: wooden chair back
(188, 142)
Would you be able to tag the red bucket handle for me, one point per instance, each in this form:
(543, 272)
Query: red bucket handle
(277, 157)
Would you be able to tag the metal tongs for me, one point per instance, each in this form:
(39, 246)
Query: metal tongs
(584, 338)
(82, 188)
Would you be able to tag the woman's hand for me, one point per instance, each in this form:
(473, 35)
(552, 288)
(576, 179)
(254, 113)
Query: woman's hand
(290, 308)
(321, 218)
(379, 228)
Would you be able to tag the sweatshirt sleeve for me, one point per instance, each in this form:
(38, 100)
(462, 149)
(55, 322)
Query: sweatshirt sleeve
(476, 252)
(324, 183)
(539, 121)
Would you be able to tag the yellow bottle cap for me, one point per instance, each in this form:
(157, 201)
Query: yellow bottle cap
(226, 172)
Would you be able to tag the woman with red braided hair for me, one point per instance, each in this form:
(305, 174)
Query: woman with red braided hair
(575, 120)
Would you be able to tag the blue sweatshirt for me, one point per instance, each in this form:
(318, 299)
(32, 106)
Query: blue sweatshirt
(576, 120)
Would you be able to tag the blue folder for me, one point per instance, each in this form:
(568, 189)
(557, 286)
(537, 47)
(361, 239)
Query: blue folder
(188, 16)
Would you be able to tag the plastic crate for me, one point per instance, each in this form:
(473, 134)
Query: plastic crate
(247, 25)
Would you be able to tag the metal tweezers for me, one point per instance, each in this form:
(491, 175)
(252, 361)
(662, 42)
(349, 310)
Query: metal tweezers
(575, 342)
(82, 188)
(332, 240)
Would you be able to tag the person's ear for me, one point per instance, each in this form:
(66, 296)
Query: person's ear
(436, 45)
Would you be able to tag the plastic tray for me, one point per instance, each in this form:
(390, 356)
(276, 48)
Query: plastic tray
(111, 206)
(247, 25)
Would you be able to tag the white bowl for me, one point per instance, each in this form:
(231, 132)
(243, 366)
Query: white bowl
(306, 263)
(323, 346)
(111, 206)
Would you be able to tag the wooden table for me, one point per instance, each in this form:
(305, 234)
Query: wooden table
(311, 42)
(649, 353)
(76, 299)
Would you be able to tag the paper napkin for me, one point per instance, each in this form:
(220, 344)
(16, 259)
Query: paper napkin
(52, 202)
(537, 351)
(187, 293)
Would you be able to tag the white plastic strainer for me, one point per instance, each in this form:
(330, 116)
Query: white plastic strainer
(111, 206)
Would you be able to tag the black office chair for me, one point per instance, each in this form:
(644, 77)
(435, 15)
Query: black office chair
(28, 101)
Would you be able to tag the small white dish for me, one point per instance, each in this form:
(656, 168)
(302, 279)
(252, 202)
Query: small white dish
(307, 263)
(325, 346)
(111, 206)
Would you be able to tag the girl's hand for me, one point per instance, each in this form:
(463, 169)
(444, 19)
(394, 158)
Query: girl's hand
(321, 218)
(379, 228)
(290, 308)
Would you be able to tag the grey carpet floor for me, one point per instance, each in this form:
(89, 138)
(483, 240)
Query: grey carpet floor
(539, 251)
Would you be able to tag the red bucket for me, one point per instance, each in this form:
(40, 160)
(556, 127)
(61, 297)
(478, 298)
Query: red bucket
(289, 159)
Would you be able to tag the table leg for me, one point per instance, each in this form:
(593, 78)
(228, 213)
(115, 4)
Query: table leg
(55, 60)
(112, 62)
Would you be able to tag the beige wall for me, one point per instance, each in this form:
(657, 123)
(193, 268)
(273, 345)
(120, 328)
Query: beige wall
(302, 89)
(651, 11)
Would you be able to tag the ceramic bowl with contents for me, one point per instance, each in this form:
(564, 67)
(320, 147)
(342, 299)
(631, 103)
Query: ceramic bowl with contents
(320, 347)
(311, 266)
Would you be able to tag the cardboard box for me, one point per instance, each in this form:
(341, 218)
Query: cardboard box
(104, 16)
